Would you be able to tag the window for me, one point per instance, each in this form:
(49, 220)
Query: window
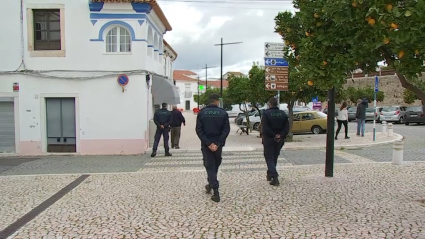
(118, 40)
(296, 117)
(47, 30)
(322, 115)
(307, 117)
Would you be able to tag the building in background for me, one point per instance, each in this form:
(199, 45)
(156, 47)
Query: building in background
(232, 73)
(187, 86)
(82, 77)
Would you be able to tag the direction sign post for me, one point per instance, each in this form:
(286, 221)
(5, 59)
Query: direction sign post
(276, 67)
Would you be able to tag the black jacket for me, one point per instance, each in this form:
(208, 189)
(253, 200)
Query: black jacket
(162, 117)
(212, 125)
(361, 110)
(177, 118)
(273, 122)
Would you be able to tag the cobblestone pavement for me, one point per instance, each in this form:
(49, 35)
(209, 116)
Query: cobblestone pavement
(361, 201)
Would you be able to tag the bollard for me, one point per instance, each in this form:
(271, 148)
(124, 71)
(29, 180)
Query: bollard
(384, 127)
(390, 130)
(398, 152)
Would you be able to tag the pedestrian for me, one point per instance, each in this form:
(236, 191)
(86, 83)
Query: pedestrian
(342, 119)
(361, 116)
(177, 121)
(212, 128)
(162, 119)
(275, 127)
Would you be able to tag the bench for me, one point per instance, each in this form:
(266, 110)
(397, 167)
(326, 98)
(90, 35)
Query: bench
(242, 129)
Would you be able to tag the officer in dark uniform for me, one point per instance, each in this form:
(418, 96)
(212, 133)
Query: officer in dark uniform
(212, 128)
(162, 119)
(275, 127)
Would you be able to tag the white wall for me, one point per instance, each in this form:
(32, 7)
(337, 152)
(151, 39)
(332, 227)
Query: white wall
(106, 113)
(182, 89)
(81, 53)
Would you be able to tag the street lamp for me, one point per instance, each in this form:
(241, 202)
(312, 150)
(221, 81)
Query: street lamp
(221, 63)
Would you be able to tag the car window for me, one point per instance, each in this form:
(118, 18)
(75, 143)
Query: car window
(307, 116)
(414, 108)
(352, 109)
(370, 110)
(297, 117)
(389, 108)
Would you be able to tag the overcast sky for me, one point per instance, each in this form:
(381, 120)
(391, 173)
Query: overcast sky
(197, 26)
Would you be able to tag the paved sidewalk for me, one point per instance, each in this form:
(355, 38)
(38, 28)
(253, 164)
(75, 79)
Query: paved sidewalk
(189, 141)
(373, 200)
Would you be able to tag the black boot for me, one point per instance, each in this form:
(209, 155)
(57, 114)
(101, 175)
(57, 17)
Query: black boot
(177, 147)
(153, 154)
(168, 154)
(208, 189)
(268, 178)
(216, 196)
(275, 181)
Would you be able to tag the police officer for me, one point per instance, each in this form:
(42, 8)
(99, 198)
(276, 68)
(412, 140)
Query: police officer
(275, 127)
(162, 119)
(212, 128)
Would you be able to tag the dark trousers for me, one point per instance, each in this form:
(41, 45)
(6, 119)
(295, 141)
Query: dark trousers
(212, 161)
(161, 132)
(271, 153)
(342, 122)
(175, 136)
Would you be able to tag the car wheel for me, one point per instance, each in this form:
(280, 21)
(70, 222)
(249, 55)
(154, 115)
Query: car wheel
(316, 130)
(407, 123)
(401, 121)
(256, 126)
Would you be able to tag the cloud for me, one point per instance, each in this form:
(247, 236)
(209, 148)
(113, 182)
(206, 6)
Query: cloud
(197, 27)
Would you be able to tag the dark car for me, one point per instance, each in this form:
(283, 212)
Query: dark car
(414, 114)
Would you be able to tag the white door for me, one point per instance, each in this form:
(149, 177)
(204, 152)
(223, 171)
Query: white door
(7, 125)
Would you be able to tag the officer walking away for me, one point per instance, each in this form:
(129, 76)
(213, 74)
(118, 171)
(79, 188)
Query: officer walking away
(162, 119)
(212, 128)
(176, 124)
(275, 127)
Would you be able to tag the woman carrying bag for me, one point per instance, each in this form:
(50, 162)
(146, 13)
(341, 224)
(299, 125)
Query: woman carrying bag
(342, 119)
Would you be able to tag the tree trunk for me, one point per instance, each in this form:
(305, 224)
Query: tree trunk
(418, 92)
(290, 135)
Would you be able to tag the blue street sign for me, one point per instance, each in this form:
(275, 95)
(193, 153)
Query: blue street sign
(315, 99)
(376, 84)
(122, 79)
(275, 62)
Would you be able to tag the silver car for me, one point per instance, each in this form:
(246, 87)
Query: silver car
(371, 114)
(393, 114)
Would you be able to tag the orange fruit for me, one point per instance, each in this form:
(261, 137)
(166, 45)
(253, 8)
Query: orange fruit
(310, 83)
(318, 24)
(325, 63)
(356, 63)
(400, 54)
(386, 41)
(371, 22)
(389, 7)
(417, 52)
(316, 15)
(394, 26)
(354, 4)
(307, 33)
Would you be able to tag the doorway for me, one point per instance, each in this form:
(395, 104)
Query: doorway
(60, 125)
(7, 125)
(187, 104)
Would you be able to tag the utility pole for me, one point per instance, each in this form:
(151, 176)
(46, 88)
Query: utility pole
(330, 134)
(198, 92)
(221, 62)
(206, 74)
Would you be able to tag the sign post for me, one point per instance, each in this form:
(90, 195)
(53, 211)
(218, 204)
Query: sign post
(122, 80)
(276, 68)
(374, 105)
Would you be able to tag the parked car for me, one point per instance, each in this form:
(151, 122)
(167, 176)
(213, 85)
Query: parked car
(414, 114)
(309, 121)
(371, 114)
(393, 114)
(254, 119)
(352, 113)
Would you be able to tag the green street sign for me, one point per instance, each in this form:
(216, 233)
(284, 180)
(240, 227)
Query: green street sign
(201, 87)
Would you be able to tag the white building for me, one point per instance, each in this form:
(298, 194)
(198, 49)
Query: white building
(187, 86)
(60, 70)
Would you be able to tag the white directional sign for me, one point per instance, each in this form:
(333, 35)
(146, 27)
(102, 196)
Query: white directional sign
(273, 46)
(273, 54)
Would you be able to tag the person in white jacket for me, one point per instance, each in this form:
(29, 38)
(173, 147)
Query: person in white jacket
(342, 119)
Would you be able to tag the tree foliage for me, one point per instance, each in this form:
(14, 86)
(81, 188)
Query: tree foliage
(342, 36)
(409, 97)
(353, 94)
(203, 98)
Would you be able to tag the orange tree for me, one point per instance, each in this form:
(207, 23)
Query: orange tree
(342, 36)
